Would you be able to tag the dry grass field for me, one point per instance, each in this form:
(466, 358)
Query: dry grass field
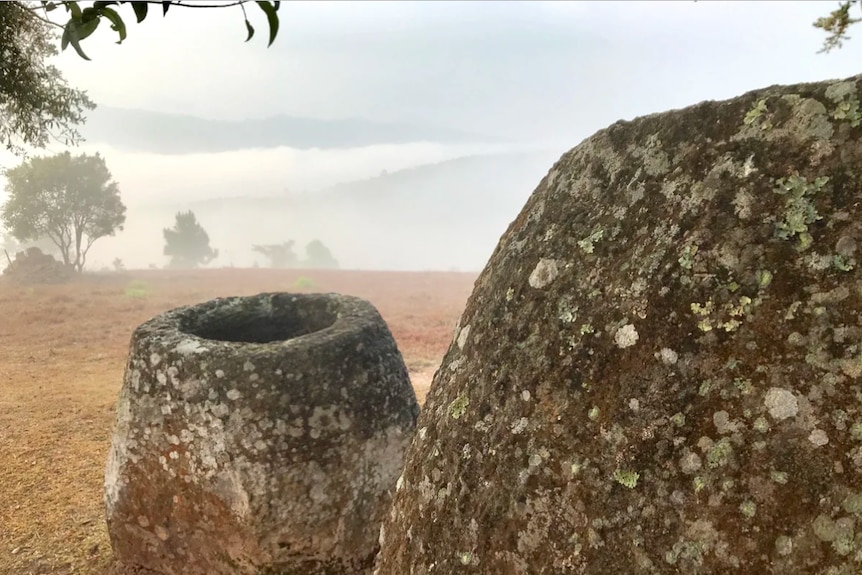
(62, 353)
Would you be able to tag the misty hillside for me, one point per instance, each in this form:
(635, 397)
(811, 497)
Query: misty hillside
(145, 131)
(439, 216)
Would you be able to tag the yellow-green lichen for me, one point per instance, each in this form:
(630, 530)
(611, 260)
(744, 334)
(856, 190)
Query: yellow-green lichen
(764, 278)
(626, 478)
(748, 509)
(755, 116)
(847, 109)
(843, 263)
(593, 414)
(687, 258)
(800, 211)
(588, 243)
(458, 407)
(853, 504)
(726, 318)
(720, 452)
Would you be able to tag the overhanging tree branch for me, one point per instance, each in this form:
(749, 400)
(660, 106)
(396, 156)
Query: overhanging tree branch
(83, 21)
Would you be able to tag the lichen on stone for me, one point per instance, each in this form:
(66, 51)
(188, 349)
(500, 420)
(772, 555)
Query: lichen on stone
(708, 341)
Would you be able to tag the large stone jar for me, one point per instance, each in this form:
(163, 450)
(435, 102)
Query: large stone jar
(258, 435)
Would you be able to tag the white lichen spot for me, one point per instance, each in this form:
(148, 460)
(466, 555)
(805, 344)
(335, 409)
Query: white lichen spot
(593, 414)
(667, 356)
(748, 509)
(818, 437)
(852, 367)
(779, 477)
(723, 423)
(423, 433)
(248, 366)
(742, 204)
(525, 395)
(463, 334)
(781, 403)
(510, 294)
(748, 167)
(233, 394)
(190, 346)
(544, 273)
(219, 373)
(519, 426)
(155, 359)
(761, 425)
(626, 336)
(783, 545)
(690, 463)
(634, 404)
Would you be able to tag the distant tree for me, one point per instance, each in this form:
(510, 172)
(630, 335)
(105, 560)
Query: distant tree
(36, 104)
(71, 200)
(319, 256)
(280, 256)
(187, 243)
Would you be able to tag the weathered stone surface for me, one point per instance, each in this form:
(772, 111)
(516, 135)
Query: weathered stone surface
(659, 368)
(258, 435)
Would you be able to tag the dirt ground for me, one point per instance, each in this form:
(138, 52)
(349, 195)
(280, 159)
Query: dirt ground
(62, 353)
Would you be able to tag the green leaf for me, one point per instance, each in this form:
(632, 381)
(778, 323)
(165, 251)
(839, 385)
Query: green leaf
(250, 29)
(101, 4)
(165, 5)
(71, 35)
(272, 18)
(74, 9)
(140, 9)
(277, 5)
(89, 14)
(48, 6)
(88, 28)
(117, 23)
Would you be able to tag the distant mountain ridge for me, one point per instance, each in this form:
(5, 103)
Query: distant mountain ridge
(135, 130)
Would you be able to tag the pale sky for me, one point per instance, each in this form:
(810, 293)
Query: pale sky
(534, 73)
(550, 70)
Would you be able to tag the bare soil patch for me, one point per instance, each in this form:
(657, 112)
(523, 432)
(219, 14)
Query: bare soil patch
(62, 354)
